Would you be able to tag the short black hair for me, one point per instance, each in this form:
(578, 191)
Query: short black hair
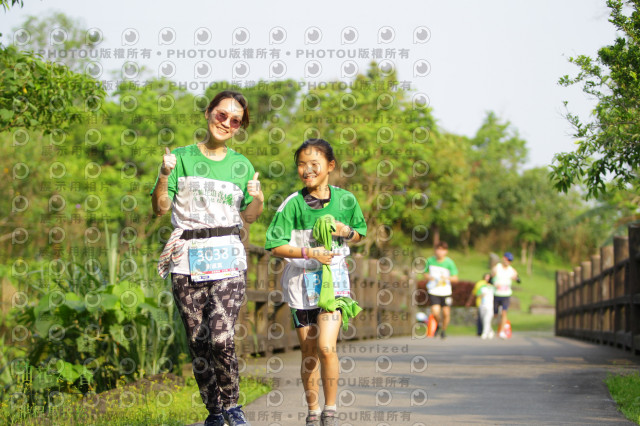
(320, 144)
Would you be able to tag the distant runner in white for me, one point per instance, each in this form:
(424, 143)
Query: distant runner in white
(503, 274)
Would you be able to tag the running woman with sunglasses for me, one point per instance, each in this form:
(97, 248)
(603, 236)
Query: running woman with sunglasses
(210, 190)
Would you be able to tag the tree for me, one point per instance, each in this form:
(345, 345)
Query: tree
(609, 144)
(68, 40)
(44, 96)
(497, 154)
(41, 95)
(540, 208)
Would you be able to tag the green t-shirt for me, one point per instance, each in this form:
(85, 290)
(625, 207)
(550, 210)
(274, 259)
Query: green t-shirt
(293, 224)
(294, 219)
(440, 284)
(207, 193)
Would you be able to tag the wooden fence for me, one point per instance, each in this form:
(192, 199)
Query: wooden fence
(600, 299)
(265, 326)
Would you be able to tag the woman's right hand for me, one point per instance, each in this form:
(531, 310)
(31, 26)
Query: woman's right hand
(321, 255)
(168, 162)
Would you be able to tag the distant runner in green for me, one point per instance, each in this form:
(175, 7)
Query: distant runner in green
(441, 271)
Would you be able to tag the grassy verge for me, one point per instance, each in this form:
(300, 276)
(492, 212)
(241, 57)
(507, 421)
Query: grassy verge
(171, 405)
(625, 390)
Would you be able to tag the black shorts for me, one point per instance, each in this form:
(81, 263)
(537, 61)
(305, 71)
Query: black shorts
(305, 317)
(501, 301)
(441, 300)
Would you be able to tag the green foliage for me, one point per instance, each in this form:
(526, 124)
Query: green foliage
(120, 328)
(167, 403)
(625, 390)
(70, 35)
(608, 145)
(42, 96)
(497, 154)
(7, 5)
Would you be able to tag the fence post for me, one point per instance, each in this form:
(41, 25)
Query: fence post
(565, 301)
(620, 254)
(633, 288)
(586, 299)
(577, 291)
(596, 297)
(606, 284)
(559, 296)
(596, 294)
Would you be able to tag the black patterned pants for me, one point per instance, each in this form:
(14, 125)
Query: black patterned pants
(209, 310)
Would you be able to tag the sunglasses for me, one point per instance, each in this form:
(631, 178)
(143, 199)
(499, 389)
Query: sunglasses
(234, 123)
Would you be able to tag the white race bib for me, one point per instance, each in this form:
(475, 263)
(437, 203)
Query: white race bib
(214, 259)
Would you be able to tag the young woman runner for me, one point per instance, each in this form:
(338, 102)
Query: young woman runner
(208, 187)
(292, 235)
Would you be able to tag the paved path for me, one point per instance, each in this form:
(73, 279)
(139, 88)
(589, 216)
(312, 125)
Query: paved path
(529, 379)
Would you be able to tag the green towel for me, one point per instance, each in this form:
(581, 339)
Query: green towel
(349, 308)
(322, 230)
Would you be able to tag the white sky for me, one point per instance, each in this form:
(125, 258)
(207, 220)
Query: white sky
(505, 56)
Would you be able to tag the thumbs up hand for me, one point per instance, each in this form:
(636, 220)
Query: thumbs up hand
(168, 162)
(253, 188)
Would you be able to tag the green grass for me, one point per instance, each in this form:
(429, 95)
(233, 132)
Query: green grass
(522, 321)
(179, 405)
(625, 390)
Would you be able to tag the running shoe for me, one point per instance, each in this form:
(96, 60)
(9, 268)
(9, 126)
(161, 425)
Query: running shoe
(214, 420)
(313, 420)
(329, 418)
(234, 416)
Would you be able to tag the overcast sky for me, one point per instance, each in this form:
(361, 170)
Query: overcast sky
(468, 57)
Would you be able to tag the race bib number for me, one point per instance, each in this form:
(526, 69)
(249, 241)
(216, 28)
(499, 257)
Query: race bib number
(313, 285)
(313, 282)
(341, 284)
(439, 277)
(213, 263)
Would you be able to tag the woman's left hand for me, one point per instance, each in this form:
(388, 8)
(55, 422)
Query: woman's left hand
(253, 188)
(342, 230)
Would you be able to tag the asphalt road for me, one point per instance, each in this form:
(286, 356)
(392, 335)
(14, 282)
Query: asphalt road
(529, 379)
